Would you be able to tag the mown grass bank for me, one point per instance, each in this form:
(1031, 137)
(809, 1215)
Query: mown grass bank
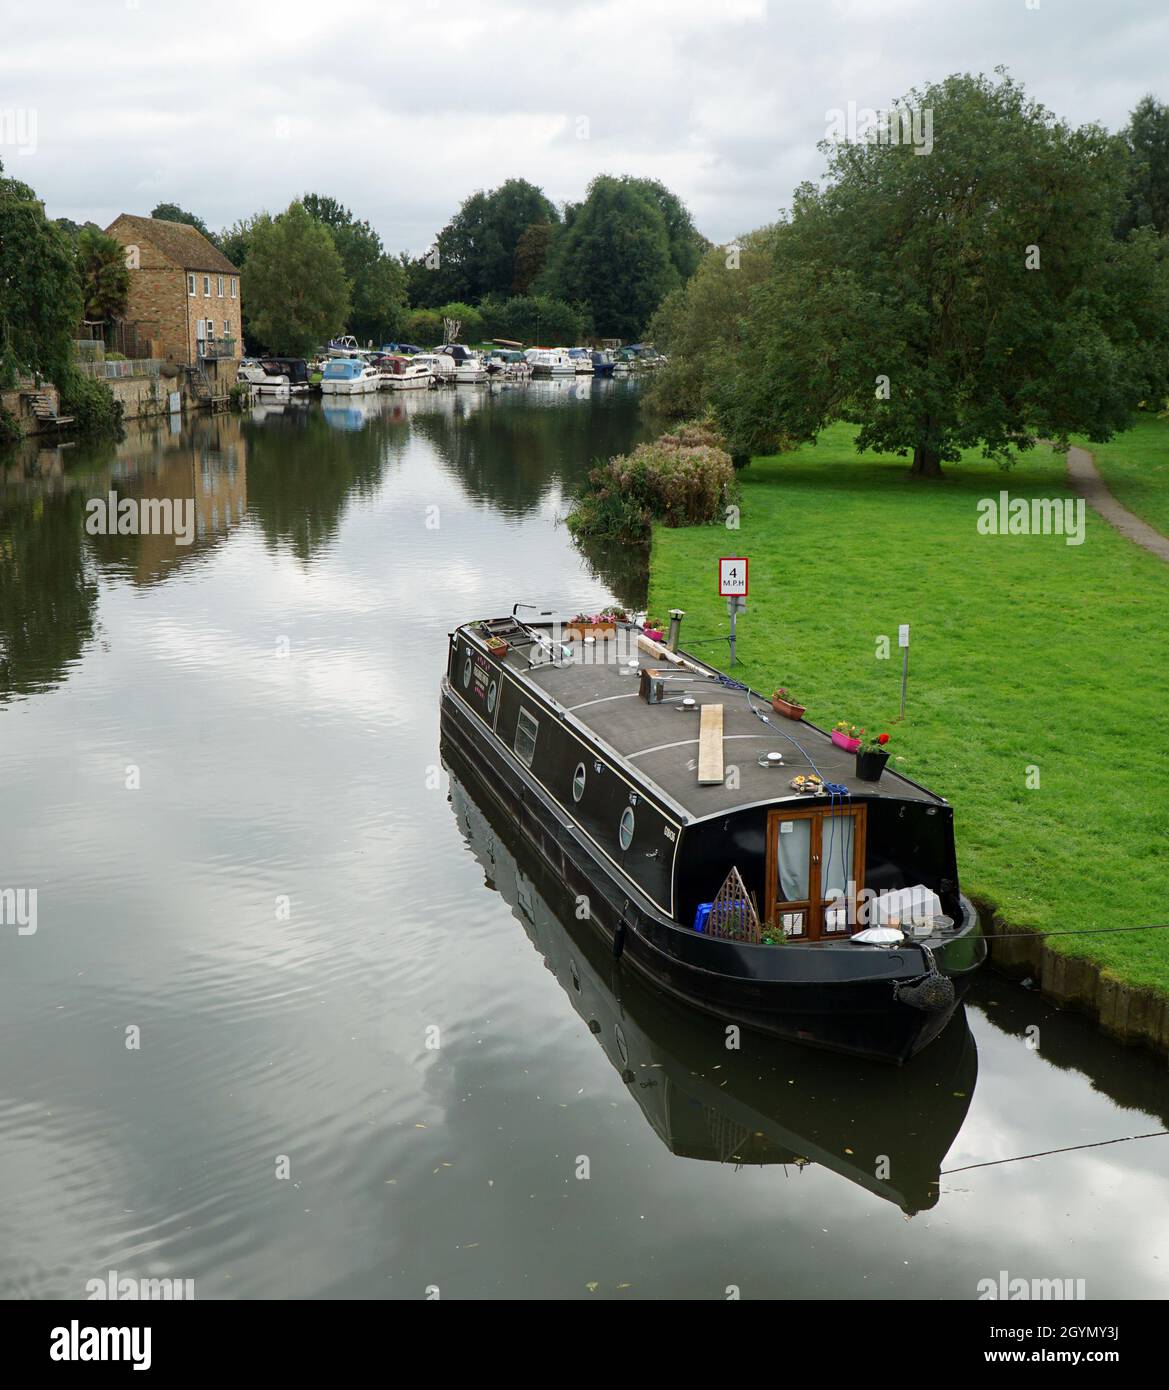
(1027, 653)
(1135, 465)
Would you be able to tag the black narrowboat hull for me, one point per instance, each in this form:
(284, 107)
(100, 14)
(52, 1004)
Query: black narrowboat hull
(838, 996)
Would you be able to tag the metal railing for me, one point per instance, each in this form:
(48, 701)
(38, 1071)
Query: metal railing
(213, 348)
(110, 371)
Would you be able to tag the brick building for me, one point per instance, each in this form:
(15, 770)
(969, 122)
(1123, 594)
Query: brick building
(184, 294)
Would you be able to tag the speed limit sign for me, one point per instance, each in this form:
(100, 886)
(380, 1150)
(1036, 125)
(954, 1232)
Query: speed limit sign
(732, 576)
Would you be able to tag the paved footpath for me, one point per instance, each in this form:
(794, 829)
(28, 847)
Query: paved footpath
(1086, 480)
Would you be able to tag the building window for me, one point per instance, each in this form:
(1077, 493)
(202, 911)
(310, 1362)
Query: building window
(625, 829)
(206, 286)
(226, 330)
(219, 286)
(234, 288)
(190, 284)
(525, 737)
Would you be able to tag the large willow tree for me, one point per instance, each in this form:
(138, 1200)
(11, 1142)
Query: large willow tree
(971, 293)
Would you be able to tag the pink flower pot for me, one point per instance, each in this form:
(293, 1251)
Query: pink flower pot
(653, 633)
(850, 745)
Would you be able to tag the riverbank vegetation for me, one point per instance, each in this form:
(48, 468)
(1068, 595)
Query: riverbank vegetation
(683, 478)
(1037, 669)
(47, 278)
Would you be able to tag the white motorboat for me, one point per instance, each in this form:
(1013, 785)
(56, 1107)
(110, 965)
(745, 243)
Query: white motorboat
(551, 362)
(582, 361)
(468, 366)
(405, 373)
(349, 376)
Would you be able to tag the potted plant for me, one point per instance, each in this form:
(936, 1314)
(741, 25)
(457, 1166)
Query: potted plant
(653, 629)
(596, 625)
(783, 703)
(847, 736)
(871, 757)
(497, 647)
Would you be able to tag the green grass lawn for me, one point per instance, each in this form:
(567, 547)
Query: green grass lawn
(1026, 652)
(1135, 465)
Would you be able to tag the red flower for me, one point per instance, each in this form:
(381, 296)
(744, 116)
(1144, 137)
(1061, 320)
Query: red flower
(882, 738)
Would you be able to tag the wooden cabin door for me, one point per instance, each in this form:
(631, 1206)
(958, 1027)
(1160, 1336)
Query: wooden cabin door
(815, 869)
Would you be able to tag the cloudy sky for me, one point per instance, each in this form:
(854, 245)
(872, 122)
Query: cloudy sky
(400, 108)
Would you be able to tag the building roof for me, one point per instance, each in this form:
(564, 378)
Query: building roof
(186, 246)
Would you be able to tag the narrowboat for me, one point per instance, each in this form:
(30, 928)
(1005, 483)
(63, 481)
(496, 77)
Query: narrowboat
(772, 1104)
(731, 856)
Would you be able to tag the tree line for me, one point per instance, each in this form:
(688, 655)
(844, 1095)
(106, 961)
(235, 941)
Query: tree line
(508, 264)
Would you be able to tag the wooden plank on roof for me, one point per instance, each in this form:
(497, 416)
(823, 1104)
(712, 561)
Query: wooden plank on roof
(710, 746)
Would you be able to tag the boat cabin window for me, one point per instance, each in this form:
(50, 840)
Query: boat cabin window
(625, 829)
(578, 782)
(815, 871)
(525, 737)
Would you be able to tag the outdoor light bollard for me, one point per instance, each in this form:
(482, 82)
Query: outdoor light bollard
(676, 616)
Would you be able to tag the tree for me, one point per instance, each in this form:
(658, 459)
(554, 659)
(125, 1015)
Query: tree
(531, 252)
(475, 253)
(1147, 139)
(970, 295)
(171, 212)
(295, 283)
(377, 281)
(700, 326)
(105, 281)
(613, 257)
(40, 293)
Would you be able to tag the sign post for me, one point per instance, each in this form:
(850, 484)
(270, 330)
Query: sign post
(903, 643)
(732, 585)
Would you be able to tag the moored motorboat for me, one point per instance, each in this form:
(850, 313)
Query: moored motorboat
(550, 362)
(603, 363)
(404, 373)
(582, 361)
(349, 376)
(844, 926)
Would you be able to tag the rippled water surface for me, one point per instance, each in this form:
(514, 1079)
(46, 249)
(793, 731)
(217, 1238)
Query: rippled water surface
(298, 899)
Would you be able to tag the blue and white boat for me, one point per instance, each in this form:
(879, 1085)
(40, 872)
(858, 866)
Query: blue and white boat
(349, 376)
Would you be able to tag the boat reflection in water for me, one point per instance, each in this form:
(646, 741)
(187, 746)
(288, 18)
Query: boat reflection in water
(769, 1102)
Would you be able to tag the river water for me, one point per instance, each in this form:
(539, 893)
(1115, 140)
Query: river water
(299, 1018)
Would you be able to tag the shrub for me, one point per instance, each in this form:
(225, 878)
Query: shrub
(10, 431)
(673, 480)
(239, 396)
(90, 403)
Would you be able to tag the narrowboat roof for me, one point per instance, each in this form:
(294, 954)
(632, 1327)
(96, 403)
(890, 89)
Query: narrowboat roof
(659, 742)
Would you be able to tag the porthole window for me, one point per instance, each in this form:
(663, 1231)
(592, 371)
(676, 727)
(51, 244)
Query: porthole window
(492, 692)
(467, 672)
(625, 831)
(578, 782)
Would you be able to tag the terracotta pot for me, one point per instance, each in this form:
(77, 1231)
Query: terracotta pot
(788, 708)
(850, 745)
(497, 648)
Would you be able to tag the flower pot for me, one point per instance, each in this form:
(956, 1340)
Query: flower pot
(497, 648)
(598, 631)
(850, 745)
(788, 708)
(654, 633)
(869, 766)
